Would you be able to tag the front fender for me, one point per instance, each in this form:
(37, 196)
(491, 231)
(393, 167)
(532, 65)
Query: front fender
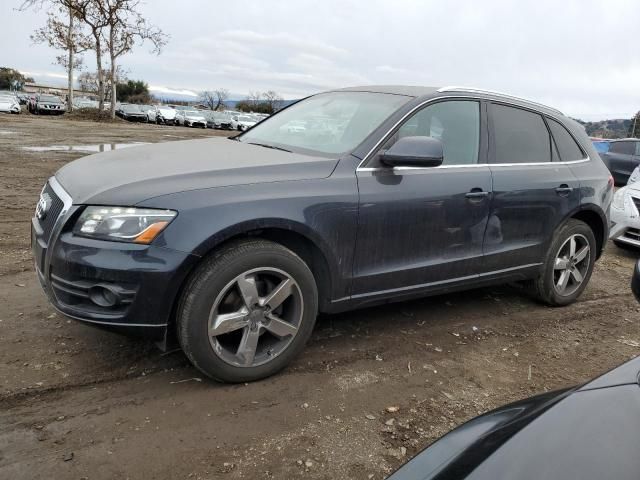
(322, 210)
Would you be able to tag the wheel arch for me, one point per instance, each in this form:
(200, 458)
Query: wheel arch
(294, 236)
(595, 218)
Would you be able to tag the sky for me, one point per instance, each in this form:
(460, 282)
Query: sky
(580, 56)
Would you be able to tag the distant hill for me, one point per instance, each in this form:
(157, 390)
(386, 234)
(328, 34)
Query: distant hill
(616, 128)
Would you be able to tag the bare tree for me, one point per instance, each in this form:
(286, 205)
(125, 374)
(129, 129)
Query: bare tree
(214, 100)
(222, 95)
(254, 99)
(62, 31)
(126, 26)
(88, 81)
(273, 99)
(90, 13)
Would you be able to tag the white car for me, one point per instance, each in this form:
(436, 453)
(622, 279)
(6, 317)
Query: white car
(242, 122)
(9, 104)
(625, 213)
(162, 114)
(190, 118)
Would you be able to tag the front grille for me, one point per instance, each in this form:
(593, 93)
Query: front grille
(633, 234)
(53, 212)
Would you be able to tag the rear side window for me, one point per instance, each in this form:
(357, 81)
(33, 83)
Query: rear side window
(567, 146)
(519, 136)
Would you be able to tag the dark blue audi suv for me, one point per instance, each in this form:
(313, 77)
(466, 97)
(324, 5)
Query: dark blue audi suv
(345, 199)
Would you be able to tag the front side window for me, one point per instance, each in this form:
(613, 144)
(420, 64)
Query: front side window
(328, 124)
(567, 146)
(455, 123)
(519, 136)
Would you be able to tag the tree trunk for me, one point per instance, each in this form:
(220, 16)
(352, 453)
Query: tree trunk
(70, 65)
(113, 87)
(100, 76)
(113, 71)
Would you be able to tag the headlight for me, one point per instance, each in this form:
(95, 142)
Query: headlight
(618, 198)
(123, 224)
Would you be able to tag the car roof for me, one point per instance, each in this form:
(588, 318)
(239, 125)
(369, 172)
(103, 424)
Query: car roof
(423, 91)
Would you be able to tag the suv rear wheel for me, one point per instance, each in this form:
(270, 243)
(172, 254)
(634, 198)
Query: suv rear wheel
(247, 311)
(568, 265)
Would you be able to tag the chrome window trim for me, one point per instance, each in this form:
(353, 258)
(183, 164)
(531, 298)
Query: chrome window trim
(455, 88)
(506, 101)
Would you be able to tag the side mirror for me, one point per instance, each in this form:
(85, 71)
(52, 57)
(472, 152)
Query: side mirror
(414, 152)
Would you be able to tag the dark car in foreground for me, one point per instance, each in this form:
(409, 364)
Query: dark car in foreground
(45, 104)
(589, 432)
(235, 245)
(622, 158)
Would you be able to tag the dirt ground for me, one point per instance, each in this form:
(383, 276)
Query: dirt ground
(76, 402)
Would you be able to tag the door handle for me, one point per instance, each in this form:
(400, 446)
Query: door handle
(476, 194)
(564, 190)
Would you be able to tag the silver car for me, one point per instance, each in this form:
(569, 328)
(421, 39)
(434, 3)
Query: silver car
(191, 118)
(9, 104)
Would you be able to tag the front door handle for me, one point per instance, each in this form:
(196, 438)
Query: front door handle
(564, 190)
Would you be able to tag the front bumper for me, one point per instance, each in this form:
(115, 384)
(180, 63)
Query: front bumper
(140, 282)
(625, 222)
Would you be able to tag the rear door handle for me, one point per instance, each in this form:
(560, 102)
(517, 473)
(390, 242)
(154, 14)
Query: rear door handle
(476, 194)
(564, 190)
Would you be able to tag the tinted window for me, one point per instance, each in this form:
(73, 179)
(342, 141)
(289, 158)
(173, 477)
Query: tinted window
(567, 146)
(456, 124)
(637, 148)
(519, 136)
(626, 148)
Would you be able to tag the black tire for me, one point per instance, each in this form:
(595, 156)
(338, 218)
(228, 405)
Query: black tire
(210, 280)
(543, 288)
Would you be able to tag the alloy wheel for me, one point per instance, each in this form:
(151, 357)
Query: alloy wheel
(571, 264)
(255, 317)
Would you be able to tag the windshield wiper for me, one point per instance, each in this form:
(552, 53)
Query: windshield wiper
(270, 146)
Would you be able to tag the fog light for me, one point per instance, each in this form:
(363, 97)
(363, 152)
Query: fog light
(103, 296)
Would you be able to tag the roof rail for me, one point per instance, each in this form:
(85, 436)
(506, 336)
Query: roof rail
(453, 88)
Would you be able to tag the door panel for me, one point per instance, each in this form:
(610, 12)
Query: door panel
(418, 227)
(525, 210)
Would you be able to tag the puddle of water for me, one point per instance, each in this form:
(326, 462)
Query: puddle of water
(95, 148)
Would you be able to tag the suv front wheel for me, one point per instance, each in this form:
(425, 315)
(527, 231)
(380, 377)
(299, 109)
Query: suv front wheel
(247, 311)
(568, 265)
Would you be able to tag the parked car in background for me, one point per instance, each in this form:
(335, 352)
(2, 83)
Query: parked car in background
(588, 432)
(600, 144)
(131, 112)
(622, 158)
(162, 114)
(46, 104)
(9, 104)
(236, 245)
(84, 102)
(242, 122)
(190, 118)
(625, 214)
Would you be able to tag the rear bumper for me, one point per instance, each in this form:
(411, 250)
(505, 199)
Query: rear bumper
(122, 287)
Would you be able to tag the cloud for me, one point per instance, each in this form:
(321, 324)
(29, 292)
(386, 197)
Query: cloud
(568, 54)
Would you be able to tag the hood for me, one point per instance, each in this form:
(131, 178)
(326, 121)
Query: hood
(132, 175)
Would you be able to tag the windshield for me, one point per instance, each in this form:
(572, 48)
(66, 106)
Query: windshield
(192, 112)
(131, 108)
(49, 98)
(245, 119)
(329, 123)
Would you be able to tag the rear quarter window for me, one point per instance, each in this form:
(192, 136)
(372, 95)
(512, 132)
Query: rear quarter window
(568, 149)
